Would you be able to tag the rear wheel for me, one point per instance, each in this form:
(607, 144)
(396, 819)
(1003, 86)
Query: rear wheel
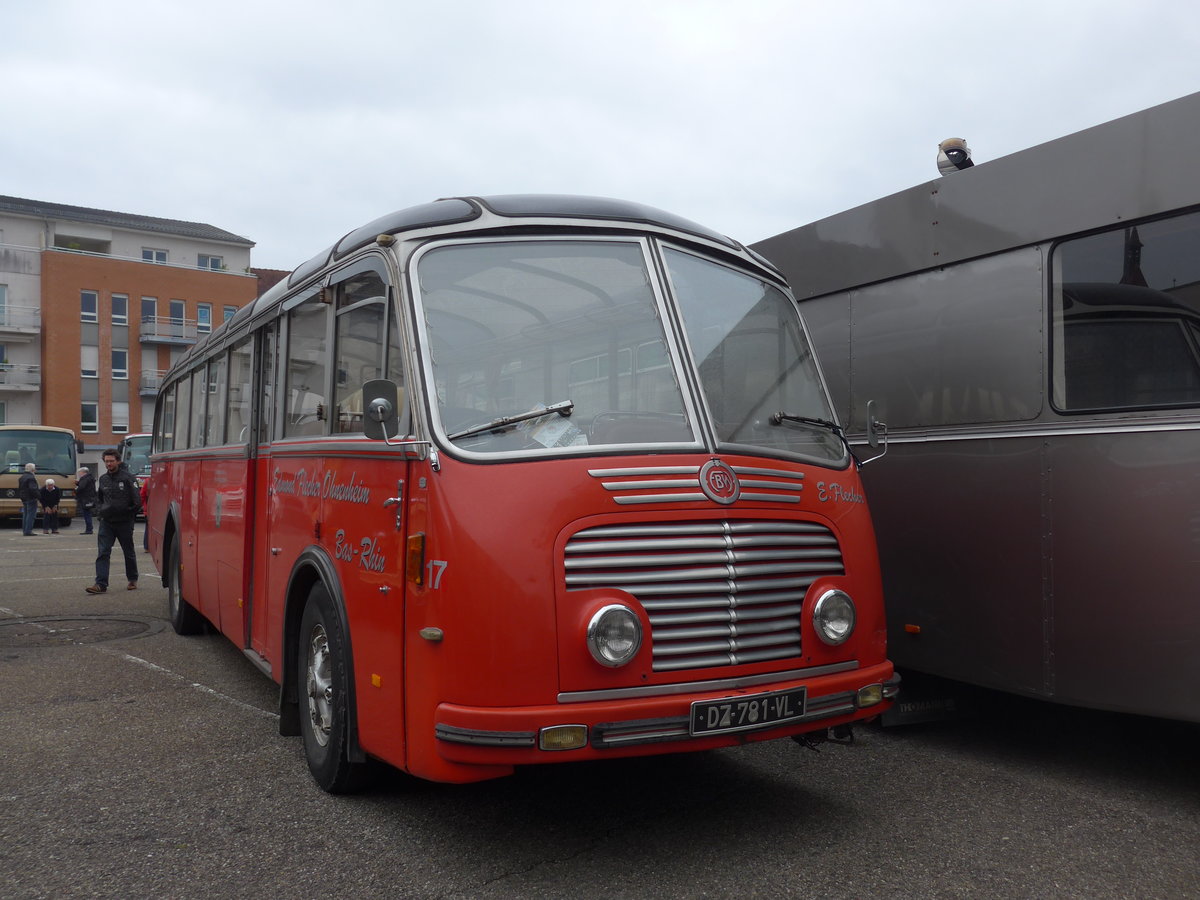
(322, 680)
(184, 617)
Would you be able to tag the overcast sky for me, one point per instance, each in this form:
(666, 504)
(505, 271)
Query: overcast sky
(293, 123)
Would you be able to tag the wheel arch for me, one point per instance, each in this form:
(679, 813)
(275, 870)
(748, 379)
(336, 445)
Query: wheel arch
(313, 567)
(170, 530)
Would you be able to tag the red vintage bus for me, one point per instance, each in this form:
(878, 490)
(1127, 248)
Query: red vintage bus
(523, 479)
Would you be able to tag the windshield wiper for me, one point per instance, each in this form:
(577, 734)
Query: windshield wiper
(563, 408)
(780, 417)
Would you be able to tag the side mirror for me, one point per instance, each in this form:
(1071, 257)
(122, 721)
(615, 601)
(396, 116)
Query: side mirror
(876, 433)
(381, 419)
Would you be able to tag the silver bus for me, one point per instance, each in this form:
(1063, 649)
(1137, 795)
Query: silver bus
(1029, 330)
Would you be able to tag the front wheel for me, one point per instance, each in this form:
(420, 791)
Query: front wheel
(184, 617)
(322, 680)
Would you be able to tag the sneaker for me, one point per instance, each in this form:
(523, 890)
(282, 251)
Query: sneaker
(95, 589)
(132, 586)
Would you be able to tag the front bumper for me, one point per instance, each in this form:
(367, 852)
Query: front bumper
(648, 724)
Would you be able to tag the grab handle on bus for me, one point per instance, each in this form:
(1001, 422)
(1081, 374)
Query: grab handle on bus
(382, 418)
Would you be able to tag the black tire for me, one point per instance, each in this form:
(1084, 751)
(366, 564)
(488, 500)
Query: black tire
(322, 682)
(184, 617)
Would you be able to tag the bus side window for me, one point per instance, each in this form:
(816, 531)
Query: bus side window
(395, 372)
(307, 402)
(362, 308)
(240, 377)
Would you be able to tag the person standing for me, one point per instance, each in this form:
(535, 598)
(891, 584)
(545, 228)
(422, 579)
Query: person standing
(85, 496)
(50, 495)
(27, 490)
(117, 505)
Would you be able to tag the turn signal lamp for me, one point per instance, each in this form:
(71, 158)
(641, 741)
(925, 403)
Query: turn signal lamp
(869, 695)
(414, 558)
(563, 737)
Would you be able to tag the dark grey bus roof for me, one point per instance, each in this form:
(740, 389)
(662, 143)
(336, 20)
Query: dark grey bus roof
(1131, 168)
(521, 208)
(452, 210)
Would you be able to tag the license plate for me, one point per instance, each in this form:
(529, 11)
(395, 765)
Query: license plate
(747, 712)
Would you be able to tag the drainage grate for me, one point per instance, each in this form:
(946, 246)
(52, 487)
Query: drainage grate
(54, 631)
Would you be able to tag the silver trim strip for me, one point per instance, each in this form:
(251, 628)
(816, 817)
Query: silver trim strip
(644, 470)
(660, 498)
(1034, 431)
(719, 684)
(777, 473)
(455, 735)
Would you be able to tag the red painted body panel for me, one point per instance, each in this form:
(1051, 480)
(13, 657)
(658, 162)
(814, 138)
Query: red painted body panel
(494, 584)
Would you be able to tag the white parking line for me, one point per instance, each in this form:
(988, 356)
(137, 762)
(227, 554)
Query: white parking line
(204, 689)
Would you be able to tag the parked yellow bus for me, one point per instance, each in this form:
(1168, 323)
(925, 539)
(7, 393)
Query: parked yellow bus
(55, 453)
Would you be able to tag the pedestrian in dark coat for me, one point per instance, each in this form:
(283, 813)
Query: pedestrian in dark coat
(118, 503)
(85, 496)
(29, 494)
(51, 496)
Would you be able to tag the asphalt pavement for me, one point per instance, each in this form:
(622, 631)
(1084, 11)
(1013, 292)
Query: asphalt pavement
(137, 763)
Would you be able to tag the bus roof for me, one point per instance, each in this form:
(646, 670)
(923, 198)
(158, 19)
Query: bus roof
(486, 214)
(1131, 168)
(37, 428)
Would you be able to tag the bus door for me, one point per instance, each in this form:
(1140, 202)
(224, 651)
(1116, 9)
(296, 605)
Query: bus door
(228, 481)
(365, 488)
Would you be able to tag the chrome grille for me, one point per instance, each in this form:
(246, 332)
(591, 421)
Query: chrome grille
(718, 593)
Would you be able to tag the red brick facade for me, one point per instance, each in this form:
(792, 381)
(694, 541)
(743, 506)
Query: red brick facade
(64, 276)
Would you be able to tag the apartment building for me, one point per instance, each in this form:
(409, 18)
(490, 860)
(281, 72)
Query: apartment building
(122, 295)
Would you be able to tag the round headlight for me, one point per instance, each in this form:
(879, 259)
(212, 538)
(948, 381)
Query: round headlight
(833, 617)
(614, 635)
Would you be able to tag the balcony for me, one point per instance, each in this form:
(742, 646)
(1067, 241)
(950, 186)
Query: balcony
(19, 378)
(21, 323)
(167, 330)
(150, 382)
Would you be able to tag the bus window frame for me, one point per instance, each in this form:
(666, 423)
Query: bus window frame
(650, 248)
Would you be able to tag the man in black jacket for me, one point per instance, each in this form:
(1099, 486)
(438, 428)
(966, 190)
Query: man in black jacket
(28, 491)
(85, 497)
(117, 504)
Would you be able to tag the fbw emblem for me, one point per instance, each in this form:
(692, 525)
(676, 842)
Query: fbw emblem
(719, 482)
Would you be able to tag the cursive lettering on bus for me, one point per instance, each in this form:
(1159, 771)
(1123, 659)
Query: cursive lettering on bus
(325, 486)
(349, 492)
(367, 552)
(834, 492)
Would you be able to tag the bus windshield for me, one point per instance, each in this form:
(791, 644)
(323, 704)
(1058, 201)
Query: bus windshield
(757, 369)
(53, 452)
(135, 452)
(577, 328)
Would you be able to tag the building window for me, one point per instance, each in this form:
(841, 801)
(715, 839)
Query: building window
(89, 303)
(120, 364)
(230, 312)
(150, 254)
(120, 417)
(89, 418)
(177, 321)
(120, 309)
(89, 361)
(204, 318)
(216, 263)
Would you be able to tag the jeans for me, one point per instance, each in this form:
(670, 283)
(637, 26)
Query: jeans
(87, 518)
(28, 516)
(110, 533)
